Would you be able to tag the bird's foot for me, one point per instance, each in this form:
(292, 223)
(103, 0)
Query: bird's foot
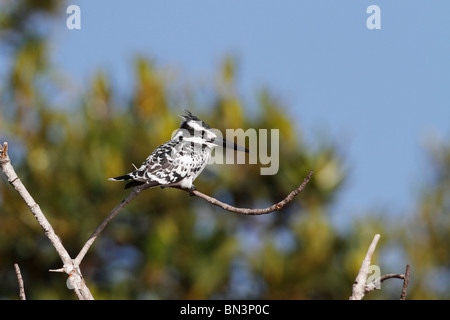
(191, 190)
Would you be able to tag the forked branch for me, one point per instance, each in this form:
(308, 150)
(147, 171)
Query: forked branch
(361, 287)
(137, 190)
(71, 266)
(81, 289)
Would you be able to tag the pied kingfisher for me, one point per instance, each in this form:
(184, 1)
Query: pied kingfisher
(180, 160)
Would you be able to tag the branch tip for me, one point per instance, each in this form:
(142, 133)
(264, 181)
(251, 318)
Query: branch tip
(20, 281)
(405, 282)
(4, 150)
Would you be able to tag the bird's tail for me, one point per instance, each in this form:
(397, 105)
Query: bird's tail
(121, 178)
(127, 177)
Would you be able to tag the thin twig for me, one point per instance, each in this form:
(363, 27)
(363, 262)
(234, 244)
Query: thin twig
(20, 281)
(377, 282)
(405, 282)
(247, 211)
(133, 194)
(137, 190)
(392, 275)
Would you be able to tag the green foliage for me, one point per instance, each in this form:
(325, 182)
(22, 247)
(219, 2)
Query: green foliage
(166, 244)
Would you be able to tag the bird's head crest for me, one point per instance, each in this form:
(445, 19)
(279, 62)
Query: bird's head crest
(188, 118)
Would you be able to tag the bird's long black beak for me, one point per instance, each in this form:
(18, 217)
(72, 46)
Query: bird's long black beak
(230, 145)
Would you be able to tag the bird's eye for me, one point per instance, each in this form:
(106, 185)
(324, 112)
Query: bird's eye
(203, 134)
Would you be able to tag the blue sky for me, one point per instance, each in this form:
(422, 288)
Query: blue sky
(378, 93)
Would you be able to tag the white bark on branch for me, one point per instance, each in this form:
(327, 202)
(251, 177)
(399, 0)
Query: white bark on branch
(5, 164)
(71, 267)
(361, 287)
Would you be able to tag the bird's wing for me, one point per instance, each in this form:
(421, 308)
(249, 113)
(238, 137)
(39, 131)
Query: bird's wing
(161, 167)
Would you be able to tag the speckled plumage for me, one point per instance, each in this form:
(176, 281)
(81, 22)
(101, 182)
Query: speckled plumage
(179, 161)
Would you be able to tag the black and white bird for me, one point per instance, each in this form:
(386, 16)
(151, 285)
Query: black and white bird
(179, 161)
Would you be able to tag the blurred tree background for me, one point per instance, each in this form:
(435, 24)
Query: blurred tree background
(166, 244)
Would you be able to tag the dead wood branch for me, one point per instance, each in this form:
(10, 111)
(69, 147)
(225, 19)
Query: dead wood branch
(361, 287)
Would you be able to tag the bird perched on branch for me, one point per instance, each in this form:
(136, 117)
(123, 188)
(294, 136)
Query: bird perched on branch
(179, 161)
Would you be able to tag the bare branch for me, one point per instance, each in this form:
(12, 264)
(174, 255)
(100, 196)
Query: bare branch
(76, 282)
(391, 275)
(137, 190)
(133, 194)
(4, 150)
(71, 267)
(376, 283)
(248, 211)
(405, 282)
(359, 287)
(20, 281)
(13, 179)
